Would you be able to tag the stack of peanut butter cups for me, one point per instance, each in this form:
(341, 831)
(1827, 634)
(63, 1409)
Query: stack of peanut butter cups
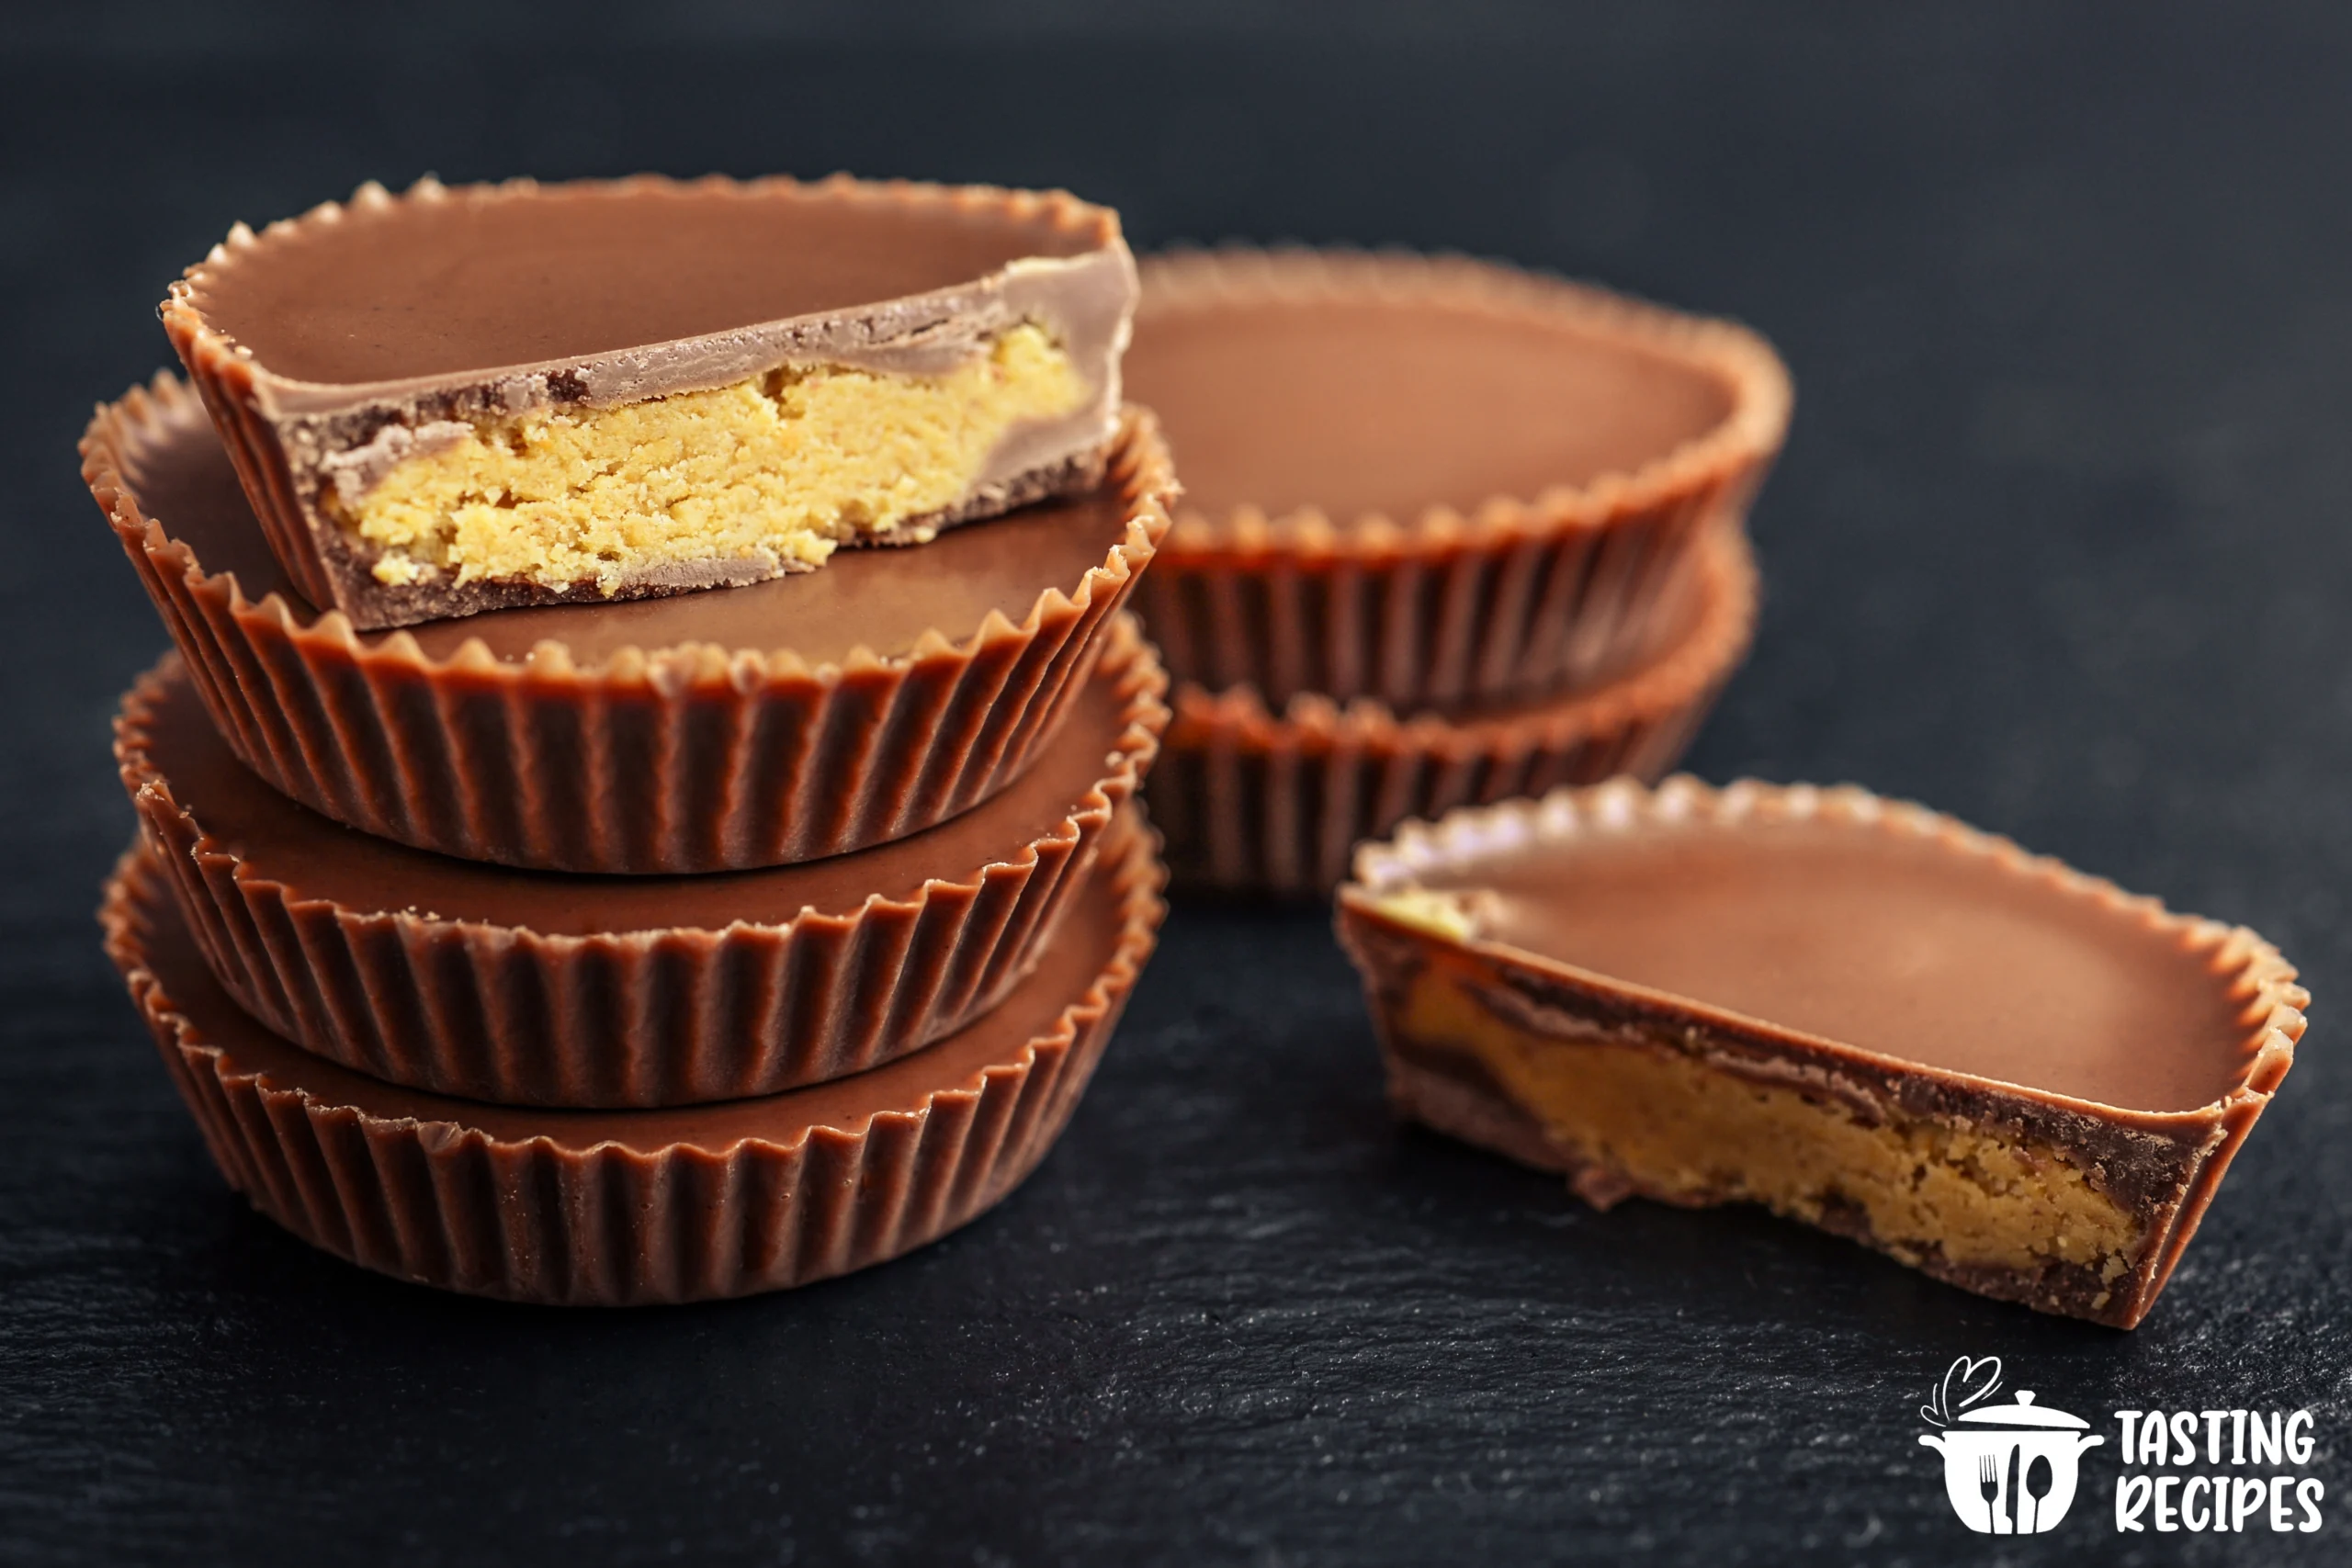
(721, 918)
(1452, 533)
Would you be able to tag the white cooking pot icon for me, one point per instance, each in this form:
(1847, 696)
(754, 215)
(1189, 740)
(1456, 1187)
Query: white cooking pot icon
(2010, 1469)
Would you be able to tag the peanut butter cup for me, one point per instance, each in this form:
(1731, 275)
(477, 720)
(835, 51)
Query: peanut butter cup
(627, 1207)
(1434, 482)
(2008, 1074)
(549, 988)
(803, 717)
(458, 399)
(1274, 803)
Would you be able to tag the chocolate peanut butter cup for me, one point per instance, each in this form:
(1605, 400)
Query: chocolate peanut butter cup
(1253, 801)
(454, 400)
(1860, 1014)
(550, 988)
(627, 1207)
(1433, 482)
(803, 716)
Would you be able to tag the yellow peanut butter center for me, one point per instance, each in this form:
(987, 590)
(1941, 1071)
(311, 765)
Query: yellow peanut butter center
(776, 469)
(1676, 1125)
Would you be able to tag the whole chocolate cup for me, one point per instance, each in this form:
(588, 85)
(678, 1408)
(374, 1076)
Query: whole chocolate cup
(265, 417)
(1514, 597)
(676, 759)
(714, 1005)
(2162, 1165)
(1259, 803)
(633, 1207)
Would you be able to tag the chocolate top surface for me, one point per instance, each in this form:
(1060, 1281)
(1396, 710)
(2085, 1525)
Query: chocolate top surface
(1891, 941)
(1089, 940)
(485, 279)
(883, 598)
(1395, 406)
(317, 858)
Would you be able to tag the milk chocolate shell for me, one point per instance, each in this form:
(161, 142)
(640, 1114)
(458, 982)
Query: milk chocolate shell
(1433, 482)
(805, 717)
(1997, 1070)
(547, 988)
(1255, 802)
(341, 350)
(616, 1208)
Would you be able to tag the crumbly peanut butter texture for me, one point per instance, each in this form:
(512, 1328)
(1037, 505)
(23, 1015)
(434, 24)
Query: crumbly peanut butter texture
(783, 467)
(1678, 1126)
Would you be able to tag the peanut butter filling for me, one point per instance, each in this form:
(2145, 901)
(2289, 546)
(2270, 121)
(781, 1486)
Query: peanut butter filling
(1679, 1128)
(781, 468)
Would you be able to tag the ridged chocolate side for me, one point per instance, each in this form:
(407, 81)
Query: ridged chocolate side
(224, 383)
(618, 1222)
(674, 1016)
(1521, 598)
(1467, 614)
(660, 761)
(1255, 803)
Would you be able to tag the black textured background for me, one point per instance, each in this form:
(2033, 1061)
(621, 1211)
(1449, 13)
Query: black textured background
(2059, 546)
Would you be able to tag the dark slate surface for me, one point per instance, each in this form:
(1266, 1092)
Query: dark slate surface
(2059, 545)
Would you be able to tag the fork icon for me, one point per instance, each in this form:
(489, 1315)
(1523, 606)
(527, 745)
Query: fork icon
(1988, 1484)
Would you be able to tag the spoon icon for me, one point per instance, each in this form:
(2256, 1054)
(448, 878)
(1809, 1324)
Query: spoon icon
(2039, 1480)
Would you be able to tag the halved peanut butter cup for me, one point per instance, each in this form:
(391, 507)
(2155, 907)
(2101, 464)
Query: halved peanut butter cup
(626, 1207)
(552, 988)
(453, 400)
(1432, 481)
(1860, 1014)
(792, 720)
(1274, 803)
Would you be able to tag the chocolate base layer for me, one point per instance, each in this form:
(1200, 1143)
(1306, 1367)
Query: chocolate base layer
(1266, 802)
(548, 988)
(627, 1208)
(797, 718)
(1434, 482)
(520, 298)
(1493, 1032)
